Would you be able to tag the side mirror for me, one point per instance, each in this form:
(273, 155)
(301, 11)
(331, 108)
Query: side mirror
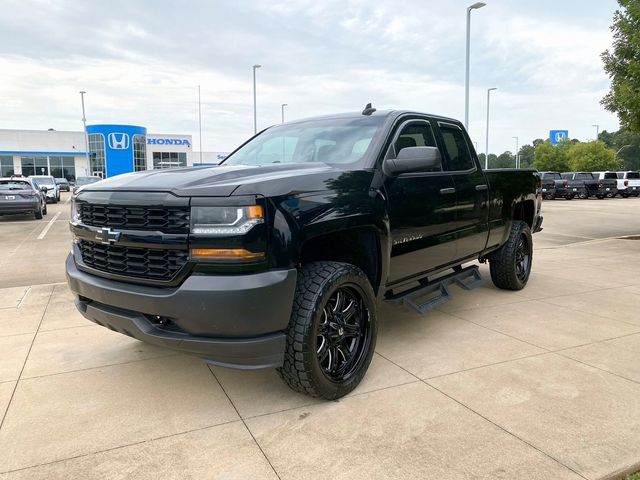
(413, 159)
(44, 189)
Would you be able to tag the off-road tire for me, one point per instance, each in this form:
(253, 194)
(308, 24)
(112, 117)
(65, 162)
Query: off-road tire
(302, 370)
(503, 263)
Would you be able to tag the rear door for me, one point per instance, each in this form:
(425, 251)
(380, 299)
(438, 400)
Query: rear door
(472, 191)
(421, 208)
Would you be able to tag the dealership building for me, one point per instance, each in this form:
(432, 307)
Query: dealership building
(105, 151)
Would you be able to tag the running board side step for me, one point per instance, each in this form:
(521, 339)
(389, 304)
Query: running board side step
(431, 294)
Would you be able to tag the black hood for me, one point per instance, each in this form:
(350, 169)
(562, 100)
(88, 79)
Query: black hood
(223, 181)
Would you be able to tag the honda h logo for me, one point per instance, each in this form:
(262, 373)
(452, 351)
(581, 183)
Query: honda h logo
(118, 141)
(107, 236)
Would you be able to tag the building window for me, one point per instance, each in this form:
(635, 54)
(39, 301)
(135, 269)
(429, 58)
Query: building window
(97, 159)
(62, 167)
(139, 153)
(36, 165)
(169, 159)
(6, 166)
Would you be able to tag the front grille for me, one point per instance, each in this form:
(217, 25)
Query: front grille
(133, 262)
(163, 219)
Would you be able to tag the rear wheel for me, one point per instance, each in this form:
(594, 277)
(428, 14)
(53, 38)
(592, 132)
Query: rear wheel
(332, 332)
(38, 213)
(510, 266)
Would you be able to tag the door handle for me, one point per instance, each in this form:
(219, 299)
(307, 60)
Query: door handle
(447, 191)
(482, 187)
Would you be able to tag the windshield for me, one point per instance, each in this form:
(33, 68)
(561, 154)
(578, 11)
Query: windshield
(14, 185)
(551, 175)
(337, 141)
(86, 180)
(44, 180)
(633, 175)
(61, 180)
(610, 176)
(584, 176)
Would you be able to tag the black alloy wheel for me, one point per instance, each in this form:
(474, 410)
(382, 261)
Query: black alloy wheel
(342, 333)
(523, 258)
(331, 336)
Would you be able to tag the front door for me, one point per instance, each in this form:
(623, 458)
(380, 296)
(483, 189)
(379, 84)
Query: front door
(421, 210)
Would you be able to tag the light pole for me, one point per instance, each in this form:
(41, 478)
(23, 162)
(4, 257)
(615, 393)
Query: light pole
(200, 122)
(475, 6)
(86, 138)
(255, 118)
(597, 131)
(486, 158)
(283, 105)
(517, 165)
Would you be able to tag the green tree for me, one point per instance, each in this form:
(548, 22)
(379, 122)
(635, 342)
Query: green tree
(627, 144)
(505, 160)
(527, 156)
(622, 63)
(537, 142)
(551, 158)
(592, 157)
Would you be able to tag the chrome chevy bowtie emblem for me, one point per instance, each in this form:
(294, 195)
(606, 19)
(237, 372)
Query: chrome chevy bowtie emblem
(107, 236)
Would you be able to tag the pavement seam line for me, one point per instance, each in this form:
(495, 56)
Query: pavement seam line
(501, 333)
(26, 358)
(507, 431)
(244, 423)
(486, 419)
(107, 450)
(566, 357)
(166, 355)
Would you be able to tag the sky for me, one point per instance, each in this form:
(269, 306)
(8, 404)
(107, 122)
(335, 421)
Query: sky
(141, 63)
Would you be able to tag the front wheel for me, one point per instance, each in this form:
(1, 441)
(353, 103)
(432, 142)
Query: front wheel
(510, 266)
(331, 336)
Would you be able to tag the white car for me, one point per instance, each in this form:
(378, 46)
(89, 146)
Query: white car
(53, 189)
(628, 184)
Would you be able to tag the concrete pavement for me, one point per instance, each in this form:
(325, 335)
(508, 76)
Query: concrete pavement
(538, 384)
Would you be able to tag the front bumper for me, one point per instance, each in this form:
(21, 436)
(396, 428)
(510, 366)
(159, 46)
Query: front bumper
(232, 320)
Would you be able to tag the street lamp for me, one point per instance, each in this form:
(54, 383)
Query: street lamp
(255, 118)
(597, 127)
(84, 123)
(475, 6)
(200, 122)
(283, 105)
(517, 165)
(486, 158)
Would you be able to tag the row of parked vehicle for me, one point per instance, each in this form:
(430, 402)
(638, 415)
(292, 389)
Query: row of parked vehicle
(29, 195)
(569, 185)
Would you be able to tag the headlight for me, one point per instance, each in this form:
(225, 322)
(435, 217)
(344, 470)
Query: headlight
(75, 212)
(225, 220)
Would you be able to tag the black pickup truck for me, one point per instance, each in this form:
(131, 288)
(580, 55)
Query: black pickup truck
(587, 184)
(561, 186)
(276, 258)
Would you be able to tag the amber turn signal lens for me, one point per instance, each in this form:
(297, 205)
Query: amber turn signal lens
(226, 254)
(255, 211)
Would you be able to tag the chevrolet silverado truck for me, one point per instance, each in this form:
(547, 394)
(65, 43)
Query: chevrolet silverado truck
(561, 185)
(277, 257)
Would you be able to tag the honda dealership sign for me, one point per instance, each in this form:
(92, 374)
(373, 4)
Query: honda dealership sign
(118, 146)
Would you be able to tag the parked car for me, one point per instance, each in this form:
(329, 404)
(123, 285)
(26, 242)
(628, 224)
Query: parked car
(607, 185)
(63, 184)
(82, 181)
(561, 185)
(276, 257)
(628, 184)
(548, 187)
(19, 195)
(53, 190)
(577, 183)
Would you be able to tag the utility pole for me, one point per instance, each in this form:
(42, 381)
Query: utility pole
(255, 115)
(517, 153)
(486, 158)
(283, 105)
(475, 6)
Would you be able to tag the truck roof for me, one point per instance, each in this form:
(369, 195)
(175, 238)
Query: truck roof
(377, 113)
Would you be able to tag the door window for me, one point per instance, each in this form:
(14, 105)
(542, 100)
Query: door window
(416, 134)
(457, 149)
